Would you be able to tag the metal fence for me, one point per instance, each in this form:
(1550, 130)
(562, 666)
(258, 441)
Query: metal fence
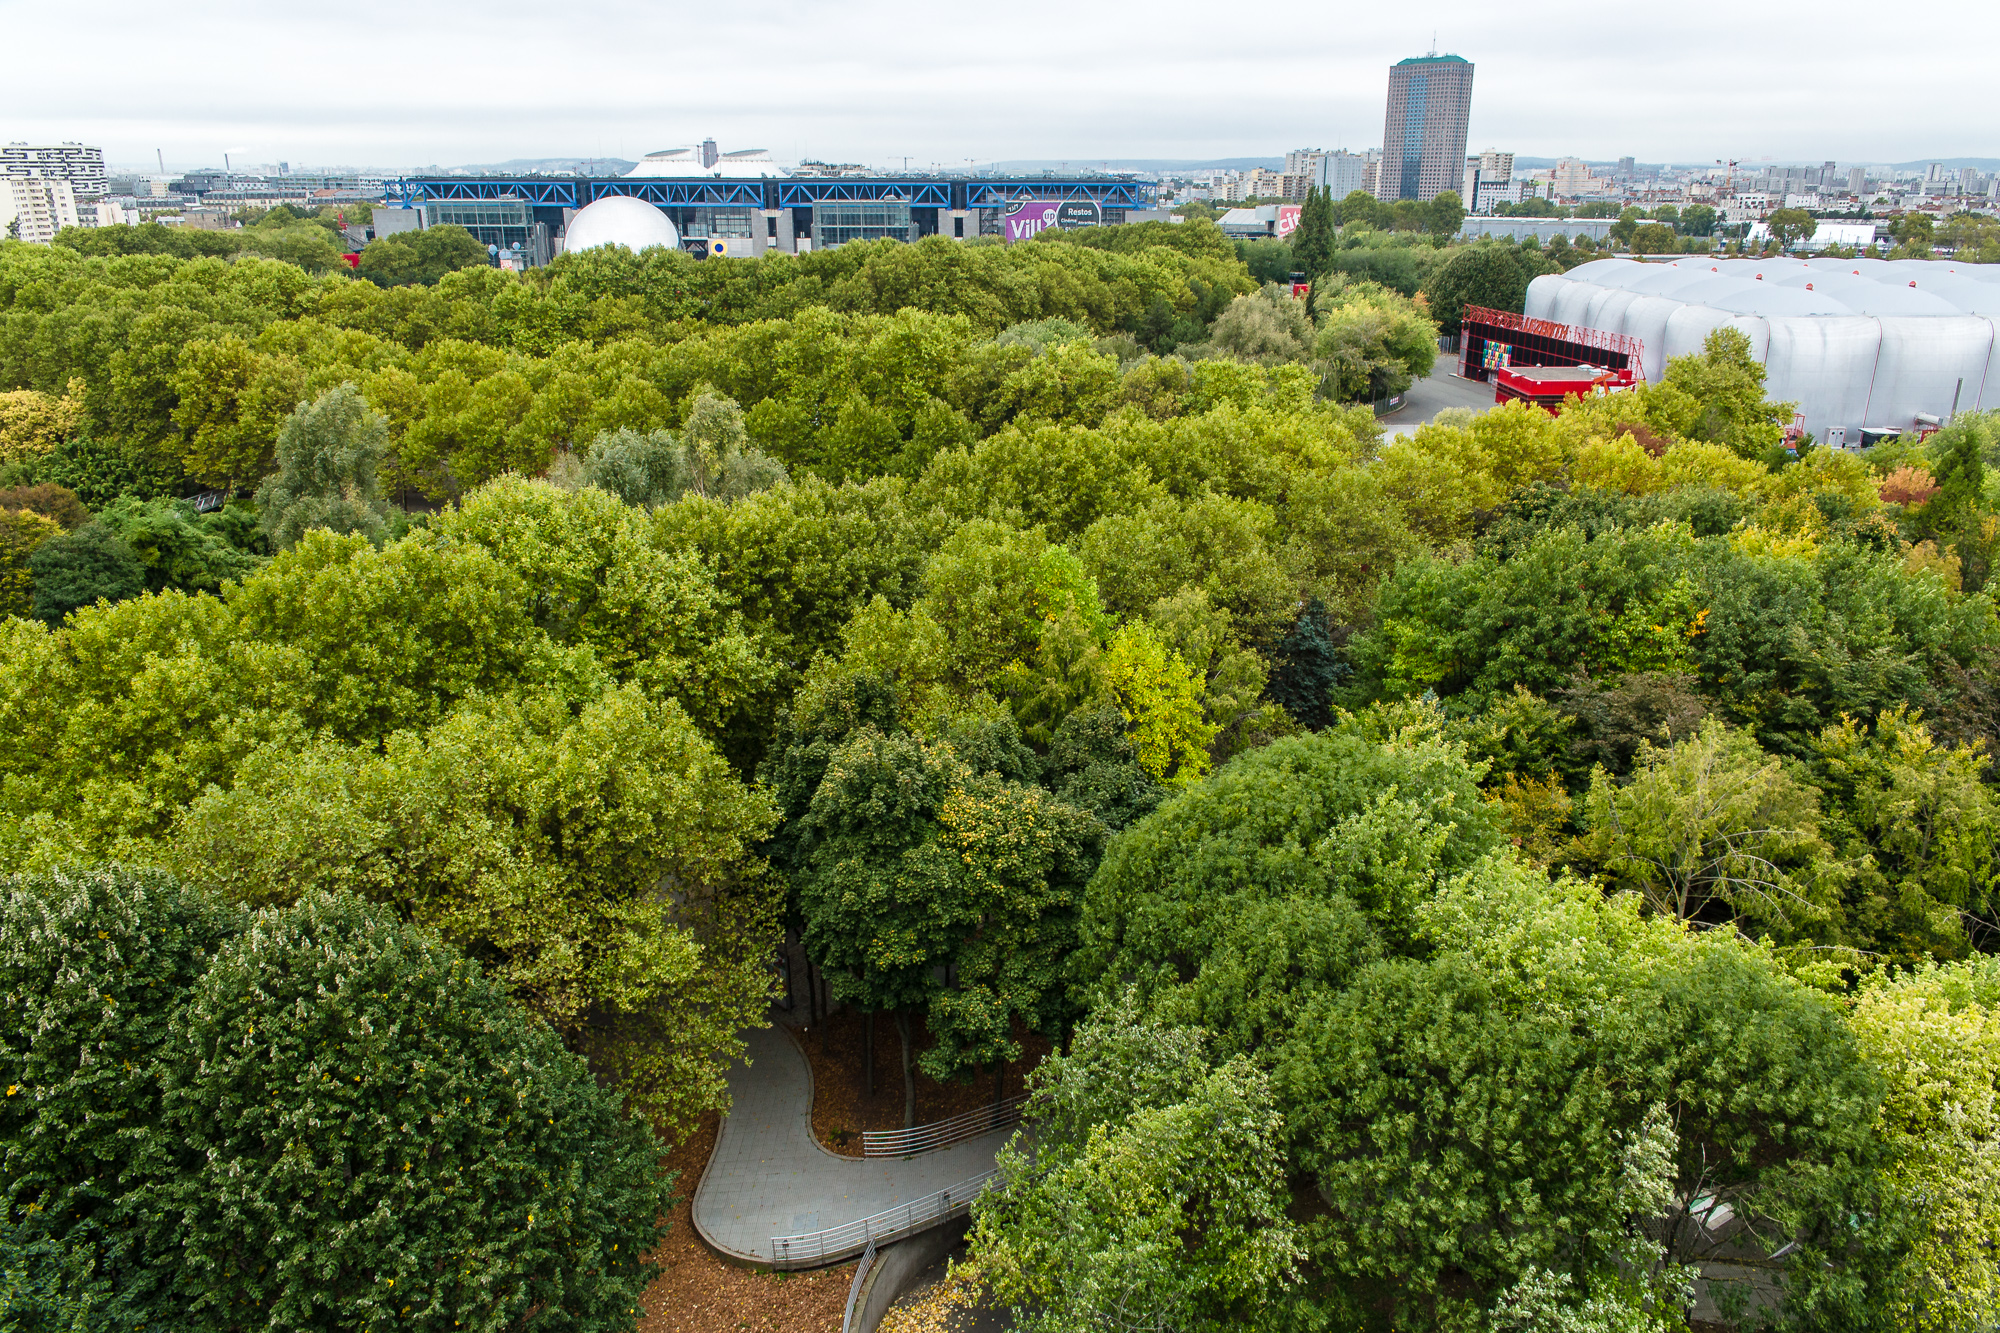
(942, 1133)
(854, 1291)
(815, 1249)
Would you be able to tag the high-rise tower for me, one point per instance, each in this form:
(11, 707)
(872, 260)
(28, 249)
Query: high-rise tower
(1423, 137)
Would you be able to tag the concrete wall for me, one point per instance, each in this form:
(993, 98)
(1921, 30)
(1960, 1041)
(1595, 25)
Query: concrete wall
(897, 1267)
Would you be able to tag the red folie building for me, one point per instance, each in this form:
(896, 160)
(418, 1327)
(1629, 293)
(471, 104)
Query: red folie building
(1543, 362)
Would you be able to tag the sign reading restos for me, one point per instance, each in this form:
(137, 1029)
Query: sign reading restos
(1025, 217)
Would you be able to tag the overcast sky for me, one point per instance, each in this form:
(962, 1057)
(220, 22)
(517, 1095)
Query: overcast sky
(421, 81)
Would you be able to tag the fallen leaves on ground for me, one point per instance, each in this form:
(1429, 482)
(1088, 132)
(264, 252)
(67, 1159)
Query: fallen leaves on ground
(946, 1306)
(700, 1293)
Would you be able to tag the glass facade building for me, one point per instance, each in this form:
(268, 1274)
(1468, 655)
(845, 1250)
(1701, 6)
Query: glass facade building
(838, 223)
(508, 224)
(1423, 135)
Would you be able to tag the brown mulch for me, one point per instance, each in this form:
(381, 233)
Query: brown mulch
(842, 1107)
(700, 1293)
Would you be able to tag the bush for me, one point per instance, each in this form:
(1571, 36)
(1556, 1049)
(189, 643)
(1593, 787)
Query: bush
(82, 568)
(92, 966)
(318, 1112)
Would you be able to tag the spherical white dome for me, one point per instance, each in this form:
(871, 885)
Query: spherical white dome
(619, 219)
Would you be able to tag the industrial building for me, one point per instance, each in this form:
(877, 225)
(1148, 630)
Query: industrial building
(746, 203)
(1861, 345)
(1423, 134)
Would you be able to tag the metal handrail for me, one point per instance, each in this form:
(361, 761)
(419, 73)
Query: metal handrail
(815, 1249)
(942, 1133)
(854, 1289)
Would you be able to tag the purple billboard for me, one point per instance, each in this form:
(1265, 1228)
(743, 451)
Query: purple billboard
(1024, 217)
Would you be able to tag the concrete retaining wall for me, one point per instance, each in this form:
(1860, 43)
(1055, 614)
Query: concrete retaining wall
(896, 1269)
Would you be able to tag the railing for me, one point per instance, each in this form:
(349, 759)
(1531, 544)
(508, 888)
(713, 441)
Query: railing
(860, 1283)
(1603, 339)
(943, 1133)
(815, 1249)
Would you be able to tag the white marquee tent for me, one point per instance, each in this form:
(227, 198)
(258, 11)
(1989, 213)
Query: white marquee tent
(1855, 342)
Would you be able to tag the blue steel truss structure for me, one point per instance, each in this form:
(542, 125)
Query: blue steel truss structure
(774, 194)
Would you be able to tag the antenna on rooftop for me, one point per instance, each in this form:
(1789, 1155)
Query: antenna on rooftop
(1434, 41)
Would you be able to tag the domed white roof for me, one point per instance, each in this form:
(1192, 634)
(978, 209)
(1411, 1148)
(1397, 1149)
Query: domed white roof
(703, 160)
(619, 219)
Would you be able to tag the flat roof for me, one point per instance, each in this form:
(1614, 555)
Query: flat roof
(1560, 374)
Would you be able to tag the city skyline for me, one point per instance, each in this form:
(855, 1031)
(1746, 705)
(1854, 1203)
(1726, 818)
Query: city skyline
(867, 84)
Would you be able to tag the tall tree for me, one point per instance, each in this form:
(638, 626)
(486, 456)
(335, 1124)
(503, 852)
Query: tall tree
(1313, 242)
(329, 456)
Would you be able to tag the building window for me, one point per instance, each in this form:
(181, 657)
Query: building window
(727, 223)
(837, 224)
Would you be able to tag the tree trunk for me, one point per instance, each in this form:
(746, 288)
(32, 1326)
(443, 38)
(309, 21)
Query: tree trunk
(909, 1071)
(868, 1050)
(812, 993)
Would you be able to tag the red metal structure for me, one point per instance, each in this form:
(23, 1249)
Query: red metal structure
(1547, 386)
(1541, 361)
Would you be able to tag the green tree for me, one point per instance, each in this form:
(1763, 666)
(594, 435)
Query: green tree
(1313, 241)
(97, 963)
(1277, 877)
(911, 861)
(711, 457)
(1711, 820)
(1373, 344)
(420, 258)
(328, 454)
(1542, 1093)
(1919, 827)
(1444, 215)
(538, 840)
(1789, 226)
(1698, 220)
(1916, 231)
(1358, 211)
(1652, 238)
(365, 1128)
(210, 1110)
(1935, 1036)
(1485, 274)
(76, 569)
(1718, 396)
(178, 547)
(1155, 1195)
(22, 533)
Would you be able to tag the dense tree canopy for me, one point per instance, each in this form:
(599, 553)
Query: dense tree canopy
(316, 1111)
(1480, 878)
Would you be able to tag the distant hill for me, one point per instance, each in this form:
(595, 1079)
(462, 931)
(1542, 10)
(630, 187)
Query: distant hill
(1150, 164)
(546, 166)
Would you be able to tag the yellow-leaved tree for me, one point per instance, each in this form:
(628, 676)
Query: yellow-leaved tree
(33, 423)
(1160, 697)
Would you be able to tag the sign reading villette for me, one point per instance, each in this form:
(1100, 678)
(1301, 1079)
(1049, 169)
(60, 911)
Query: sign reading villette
(1026, 217)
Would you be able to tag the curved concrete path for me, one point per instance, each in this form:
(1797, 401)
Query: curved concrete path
(769, 1177)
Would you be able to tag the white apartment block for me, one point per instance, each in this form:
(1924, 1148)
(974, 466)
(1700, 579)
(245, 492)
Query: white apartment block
(34, 210)
(79, 164)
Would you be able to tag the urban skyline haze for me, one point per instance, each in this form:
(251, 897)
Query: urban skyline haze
(876, 83)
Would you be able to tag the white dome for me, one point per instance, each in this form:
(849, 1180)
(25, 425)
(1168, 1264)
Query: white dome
(619, 219)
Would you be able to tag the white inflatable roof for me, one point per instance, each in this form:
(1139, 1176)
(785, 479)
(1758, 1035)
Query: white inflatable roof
(619, 219)
(743, 164)
(1855, 342)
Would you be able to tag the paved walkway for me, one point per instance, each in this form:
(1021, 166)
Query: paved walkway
(770, 1177)
(1441, 389)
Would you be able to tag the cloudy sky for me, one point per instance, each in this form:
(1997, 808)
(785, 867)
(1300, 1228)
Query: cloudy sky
(420, 81)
